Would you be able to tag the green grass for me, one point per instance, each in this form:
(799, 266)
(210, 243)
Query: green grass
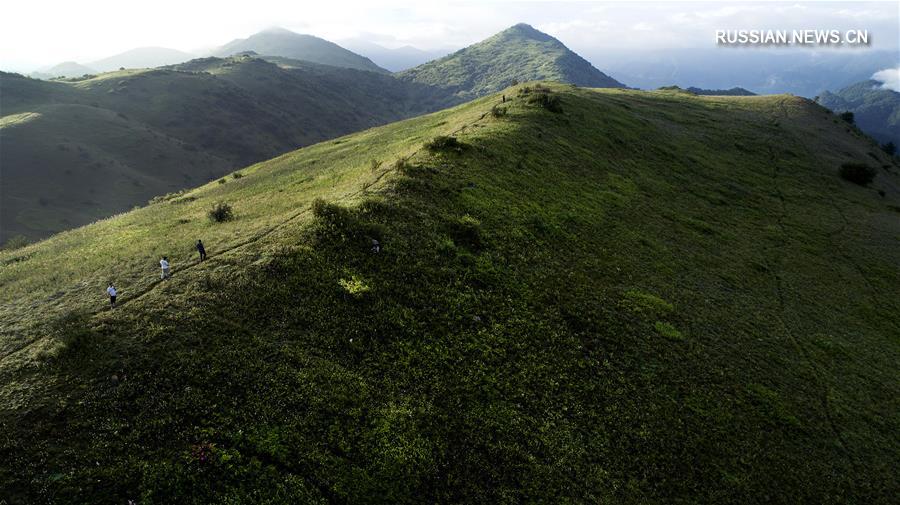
(77, 151)
(505, 345)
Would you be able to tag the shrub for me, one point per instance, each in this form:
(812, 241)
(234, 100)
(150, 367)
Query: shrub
(668, 331)
(221, 212)
(222, 181)
(498, 111)
(237, 175)
(467, 231)
(858, 173)
(547, 101)
(444, 142)
(848, 117)
(890, 148)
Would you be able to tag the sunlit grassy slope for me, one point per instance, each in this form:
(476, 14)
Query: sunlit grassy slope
(649, 297)
(94, 147)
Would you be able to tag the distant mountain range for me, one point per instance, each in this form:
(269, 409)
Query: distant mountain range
(396, 59)
(519, 53)
(876, 109)
(141, 57)
(804, 73)
(287, 44)
(122, 137)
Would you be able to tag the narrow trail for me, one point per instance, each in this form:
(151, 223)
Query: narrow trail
(152, 286)
(779, 287)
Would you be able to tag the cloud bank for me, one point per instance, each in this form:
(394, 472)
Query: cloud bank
(889, 77)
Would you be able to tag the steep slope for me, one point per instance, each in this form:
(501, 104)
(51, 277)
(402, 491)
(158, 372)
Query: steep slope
(170, 128)
(876, 109)
(287, 44)
(519, 53)
(141, 57)
(647, 297)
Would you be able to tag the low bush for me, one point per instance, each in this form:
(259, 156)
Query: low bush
(858, 173)
(498, 111)
(222, 181)
(890, 148)
(548, 101)
(444, 143)
(237, 175)
(221, 213)
(848, 117)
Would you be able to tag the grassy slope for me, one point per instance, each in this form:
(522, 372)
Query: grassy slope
(155, 131)
(519, 53)
(649, 297)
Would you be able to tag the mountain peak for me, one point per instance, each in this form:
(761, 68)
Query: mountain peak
(524, 30)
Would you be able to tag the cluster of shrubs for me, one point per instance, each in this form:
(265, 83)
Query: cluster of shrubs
(498, 111)
(542, 97)
(444, 143)
(221, 212)
(858, 173)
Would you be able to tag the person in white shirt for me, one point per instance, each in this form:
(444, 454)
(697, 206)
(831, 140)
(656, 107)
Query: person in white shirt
(164, 263)
(111, 291)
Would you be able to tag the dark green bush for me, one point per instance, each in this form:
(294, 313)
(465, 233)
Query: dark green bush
(858, 173)
(237, 175)
(848, 117)
(222, 181)
(498, 111)
(548, 101)
(444, 143)
(221, 212)
(890, 148)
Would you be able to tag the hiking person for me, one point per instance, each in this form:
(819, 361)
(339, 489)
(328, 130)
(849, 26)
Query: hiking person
(201, 249)
(164, 263)
(111, 291)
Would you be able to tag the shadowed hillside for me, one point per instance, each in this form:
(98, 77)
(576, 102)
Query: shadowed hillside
(585, 296)
(876, 109)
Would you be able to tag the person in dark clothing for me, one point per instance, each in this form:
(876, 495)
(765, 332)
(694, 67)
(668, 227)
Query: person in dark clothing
(201, 250)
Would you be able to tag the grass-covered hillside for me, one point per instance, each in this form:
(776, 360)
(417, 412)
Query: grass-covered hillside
(287, 44)
(77, 151)
(519, 53)
(876, 109)
(582, 296)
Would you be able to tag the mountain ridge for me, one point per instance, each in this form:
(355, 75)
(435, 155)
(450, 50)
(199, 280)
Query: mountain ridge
(559, 311)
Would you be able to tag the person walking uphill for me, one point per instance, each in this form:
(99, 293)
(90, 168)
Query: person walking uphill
(164, 263)
(111, 291)
(201, 250)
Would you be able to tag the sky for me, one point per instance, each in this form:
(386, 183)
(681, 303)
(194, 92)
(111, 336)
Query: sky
(41, 33)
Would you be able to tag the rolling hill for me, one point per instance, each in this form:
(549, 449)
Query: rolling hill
(142, 57)
(519, 53)
(876, 109)
(121, 138)
(64, 69)
(287, 44)
(582, 296)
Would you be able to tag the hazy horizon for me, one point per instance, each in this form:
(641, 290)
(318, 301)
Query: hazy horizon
(98, 29)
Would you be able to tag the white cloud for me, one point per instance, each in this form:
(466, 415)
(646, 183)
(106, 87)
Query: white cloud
(889, 77)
